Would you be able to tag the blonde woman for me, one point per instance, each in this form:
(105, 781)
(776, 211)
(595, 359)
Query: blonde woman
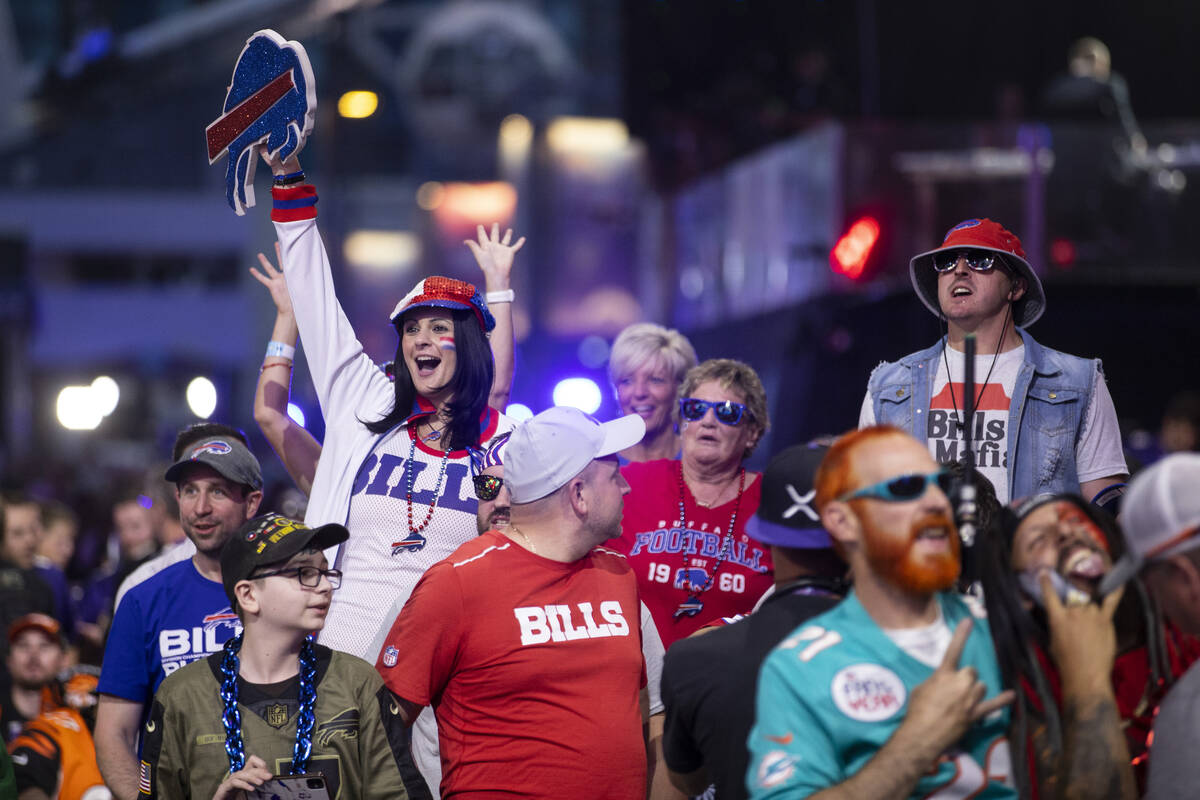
(646, 366)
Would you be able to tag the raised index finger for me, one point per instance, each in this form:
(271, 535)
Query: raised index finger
(958, 643)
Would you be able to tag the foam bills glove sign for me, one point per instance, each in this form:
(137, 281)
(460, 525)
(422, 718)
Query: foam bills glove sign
(270, 103)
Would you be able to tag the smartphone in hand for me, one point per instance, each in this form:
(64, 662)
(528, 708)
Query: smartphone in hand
(310, 786)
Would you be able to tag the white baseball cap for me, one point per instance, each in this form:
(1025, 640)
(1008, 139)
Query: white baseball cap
(1160, 514)
(557, 444)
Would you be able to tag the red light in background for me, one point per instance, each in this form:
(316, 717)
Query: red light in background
(850, 254)
(1063, 253)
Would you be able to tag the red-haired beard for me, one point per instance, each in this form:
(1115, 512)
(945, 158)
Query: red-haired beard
(895, 557)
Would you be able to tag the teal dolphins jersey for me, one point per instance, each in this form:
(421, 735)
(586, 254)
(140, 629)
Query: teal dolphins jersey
(834, 691)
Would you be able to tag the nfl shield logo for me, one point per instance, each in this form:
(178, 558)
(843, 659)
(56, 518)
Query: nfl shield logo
(390, 655)
(277, 715)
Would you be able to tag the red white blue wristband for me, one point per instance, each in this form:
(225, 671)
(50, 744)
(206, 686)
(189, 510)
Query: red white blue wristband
(293, 203)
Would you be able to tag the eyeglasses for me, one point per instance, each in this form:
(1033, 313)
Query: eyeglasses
(727, 411)
(977, 260)
(487, 486)
(308, 576)
(903, 488)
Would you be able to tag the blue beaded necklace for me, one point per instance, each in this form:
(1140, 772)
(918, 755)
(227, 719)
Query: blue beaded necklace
(232, 716)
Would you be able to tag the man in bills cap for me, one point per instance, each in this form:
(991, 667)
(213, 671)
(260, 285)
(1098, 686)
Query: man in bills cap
(709, 679)
(1161, 516)
(526, 642)
(181, 613)
(1044, 420)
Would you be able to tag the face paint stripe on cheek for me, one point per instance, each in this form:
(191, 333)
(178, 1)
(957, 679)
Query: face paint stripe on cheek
(446, 342)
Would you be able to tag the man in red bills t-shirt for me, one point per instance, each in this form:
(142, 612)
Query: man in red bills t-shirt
(528, 645)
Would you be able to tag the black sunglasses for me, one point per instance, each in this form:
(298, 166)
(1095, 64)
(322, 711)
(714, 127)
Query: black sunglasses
(727, 411)
(977, 260)
(487, 486)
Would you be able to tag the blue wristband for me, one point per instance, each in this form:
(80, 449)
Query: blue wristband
(280, 349)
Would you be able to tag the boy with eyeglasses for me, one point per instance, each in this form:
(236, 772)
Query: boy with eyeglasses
(272, 702)
(894, 692)
(1044, 420)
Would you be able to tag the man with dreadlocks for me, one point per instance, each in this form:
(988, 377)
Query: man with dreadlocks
(273, 702)
(1044, 420)
(1089, 670)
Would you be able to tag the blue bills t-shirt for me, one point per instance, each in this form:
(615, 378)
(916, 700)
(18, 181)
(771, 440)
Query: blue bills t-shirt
(171, 619)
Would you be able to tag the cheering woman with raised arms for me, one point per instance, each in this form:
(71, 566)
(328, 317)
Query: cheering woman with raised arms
(394, 468)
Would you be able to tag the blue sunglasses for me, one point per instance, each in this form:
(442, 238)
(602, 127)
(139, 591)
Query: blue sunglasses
(903, 488)
(727, 411)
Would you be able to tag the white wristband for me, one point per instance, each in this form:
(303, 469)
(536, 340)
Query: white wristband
(280, 349)
(505, 296)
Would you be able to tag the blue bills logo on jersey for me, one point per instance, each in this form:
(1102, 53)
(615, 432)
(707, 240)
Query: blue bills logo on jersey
(224, 619)
(409, 544)
(271, 103)
(691, 577)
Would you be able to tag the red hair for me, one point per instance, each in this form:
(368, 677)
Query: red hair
(836, 474)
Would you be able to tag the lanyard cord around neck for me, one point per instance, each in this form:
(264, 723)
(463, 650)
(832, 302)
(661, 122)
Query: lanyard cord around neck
(983, 386)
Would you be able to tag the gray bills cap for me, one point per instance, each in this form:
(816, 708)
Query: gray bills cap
(226, 455)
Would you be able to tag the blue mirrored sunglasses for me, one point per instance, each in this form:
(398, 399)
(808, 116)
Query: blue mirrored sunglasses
(727, 411)
(903, 488)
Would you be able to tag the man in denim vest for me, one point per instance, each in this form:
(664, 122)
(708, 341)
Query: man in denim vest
(1044, 420)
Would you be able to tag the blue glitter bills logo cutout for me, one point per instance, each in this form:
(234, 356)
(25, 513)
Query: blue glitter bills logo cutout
(271, 102)
(410, 544)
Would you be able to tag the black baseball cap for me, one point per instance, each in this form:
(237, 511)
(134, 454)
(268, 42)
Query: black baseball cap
(271, 539)
(226, 455)
(786, 516)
